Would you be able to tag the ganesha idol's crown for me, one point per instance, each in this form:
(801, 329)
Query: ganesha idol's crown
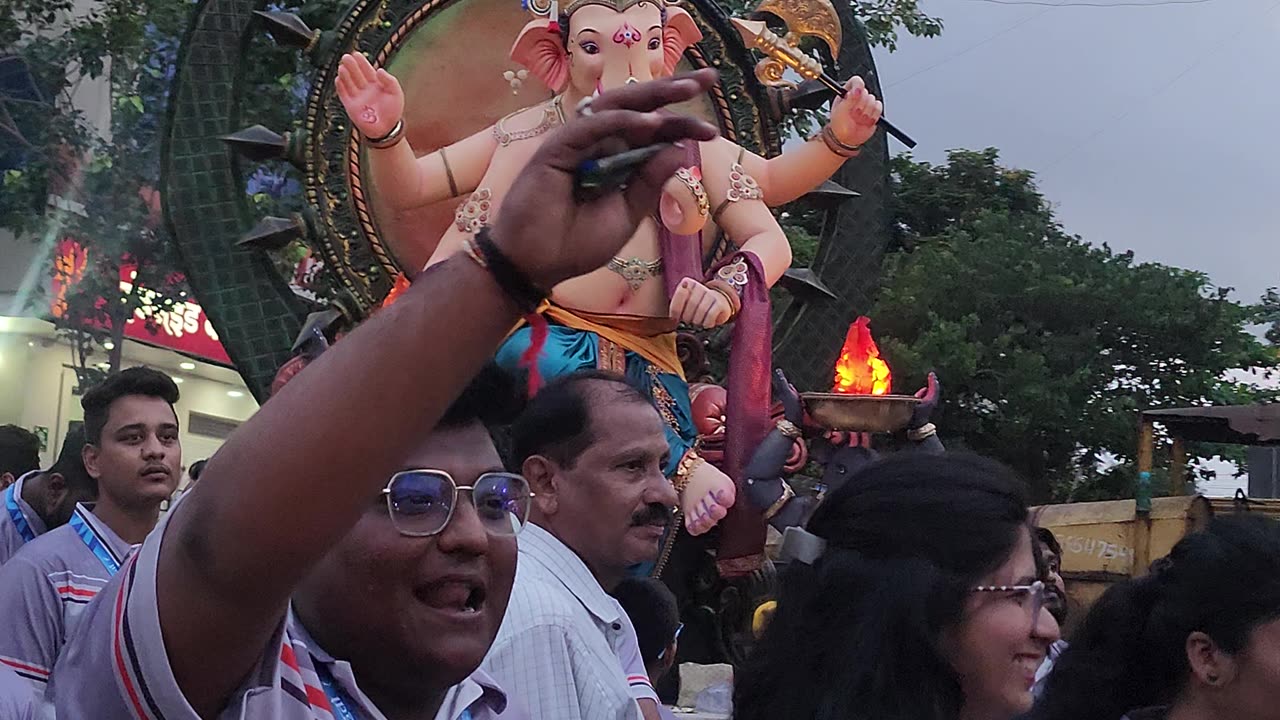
(551, 8)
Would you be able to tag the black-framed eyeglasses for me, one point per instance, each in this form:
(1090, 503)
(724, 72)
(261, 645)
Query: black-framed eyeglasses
(421, 502)
(1032, 596)
(674, 638)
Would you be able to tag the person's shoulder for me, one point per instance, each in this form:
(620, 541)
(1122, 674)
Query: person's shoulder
(46, 553)
(538, 599)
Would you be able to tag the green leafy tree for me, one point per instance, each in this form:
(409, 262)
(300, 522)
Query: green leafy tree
(100, 176)
(1047, 346)
(883, 20)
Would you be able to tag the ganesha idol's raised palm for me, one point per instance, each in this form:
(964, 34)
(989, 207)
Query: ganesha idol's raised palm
(372, 98)
(608, 44)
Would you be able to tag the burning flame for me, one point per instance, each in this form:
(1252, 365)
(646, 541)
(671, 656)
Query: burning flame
(860, 371)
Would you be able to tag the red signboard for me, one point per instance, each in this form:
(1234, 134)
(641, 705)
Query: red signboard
(183, 327)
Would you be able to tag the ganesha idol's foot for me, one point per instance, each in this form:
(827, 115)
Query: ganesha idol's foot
(708, 496)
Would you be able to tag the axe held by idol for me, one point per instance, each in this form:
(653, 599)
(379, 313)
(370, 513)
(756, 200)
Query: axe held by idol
(756, 34)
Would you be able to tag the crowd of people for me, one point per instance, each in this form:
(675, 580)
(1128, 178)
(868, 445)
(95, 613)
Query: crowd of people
(371, 554)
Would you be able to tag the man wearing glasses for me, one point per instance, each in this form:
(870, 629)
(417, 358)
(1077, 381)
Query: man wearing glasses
(593, 449)
(348, 553)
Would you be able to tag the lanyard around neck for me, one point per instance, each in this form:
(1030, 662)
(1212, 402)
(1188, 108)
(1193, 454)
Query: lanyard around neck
(337, 698)
(94, 543)
(15, 514)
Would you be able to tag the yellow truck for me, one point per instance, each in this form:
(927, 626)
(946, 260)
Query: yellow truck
(1103, 542)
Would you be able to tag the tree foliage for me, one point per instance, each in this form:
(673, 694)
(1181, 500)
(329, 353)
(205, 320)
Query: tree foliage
(102, 177)
(79, 175)
(883, 20)
(1047, 346)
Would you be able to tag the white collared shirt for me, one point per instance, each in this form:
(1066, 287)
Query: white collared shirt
(561, 641)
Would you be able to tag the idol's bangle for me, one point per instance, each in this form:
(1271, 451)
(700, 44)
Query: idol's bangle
(923, 432)
(731, 276)
(788, 429)
(835, 145)
(729, 293)
(787, 495)
(391, 139)
(694, 183)
(685, 469)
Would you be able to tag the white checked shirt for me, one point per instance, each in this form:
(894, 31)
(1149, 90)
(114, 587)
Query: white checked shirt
(564, 642)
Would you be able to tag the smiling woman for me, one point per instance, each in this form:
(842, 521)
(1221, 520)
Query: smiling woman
(919, 597)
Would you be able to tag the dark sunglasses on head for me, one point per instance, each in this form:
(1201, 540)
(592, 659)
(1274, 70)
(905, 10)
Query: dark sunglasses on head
(421, 502)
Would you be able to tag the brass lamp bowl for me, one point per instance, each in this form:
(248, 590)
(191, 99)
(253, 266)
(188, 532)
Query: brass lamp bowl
(860, 413)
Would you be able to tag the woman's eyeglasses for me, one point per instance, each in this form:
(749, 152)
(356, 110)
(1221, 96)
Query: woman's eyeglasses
(421, 502)
(1031, 596)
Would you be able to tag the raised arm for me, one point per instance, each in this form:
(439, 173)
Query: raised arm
(297, 476)
(801, 169)
(746, 220)
(374, 101)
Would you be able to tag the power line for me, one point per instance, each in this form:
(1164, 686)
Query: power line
(1159, 91)
(1122, 3)
(967, 50)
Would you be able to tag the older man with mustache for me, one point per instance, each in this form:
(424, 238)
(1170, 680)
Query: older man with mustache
(592, 448)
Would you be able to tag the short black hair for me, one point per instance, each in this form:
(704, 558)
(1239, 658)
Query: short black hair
(70, 464)
(19, 450)
(131, 381)
(556, 422)
(653, 610)
(1046, 537)
(196, 468)
(490, 398)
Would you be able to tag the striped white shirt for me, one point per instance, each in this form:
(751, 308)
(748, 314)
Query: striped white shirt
(45, 588)
(117, 668)
(564, 640)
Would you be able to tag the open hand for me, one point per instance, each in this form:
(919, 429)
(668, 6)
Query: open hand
(854, 116)
(928, 396)
(552, 236)
(373, 98)
(696, 304)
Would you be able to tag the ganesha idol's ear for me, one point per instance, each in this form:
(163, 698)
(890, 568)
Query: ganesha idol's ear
(539, 49)
(679, 33)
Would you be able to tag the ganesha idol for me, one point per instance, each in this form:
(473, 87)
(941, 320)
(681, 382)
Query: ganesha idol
(623, 317)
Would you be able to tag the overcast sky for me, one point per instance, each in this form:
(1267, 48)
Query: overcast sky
(1151, 128)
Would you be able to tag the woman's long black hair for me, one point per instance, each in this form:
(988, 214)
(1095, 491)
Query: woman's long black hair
(1130, 651)
(856, 636)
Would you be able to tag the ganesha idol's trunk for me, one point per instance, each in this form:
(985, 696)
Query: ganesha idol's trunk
(622, 76)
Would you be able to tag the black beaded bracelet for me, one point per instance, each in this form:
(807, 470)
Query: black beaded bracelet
(510, 278)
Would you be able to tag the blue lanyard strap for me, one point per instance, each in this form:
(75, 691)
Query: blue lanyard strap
(94, 543)
(15, 514)
(337, 698)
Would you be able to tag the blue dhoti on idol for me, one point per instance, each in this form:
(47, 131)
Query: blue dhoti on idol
(642, 349)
